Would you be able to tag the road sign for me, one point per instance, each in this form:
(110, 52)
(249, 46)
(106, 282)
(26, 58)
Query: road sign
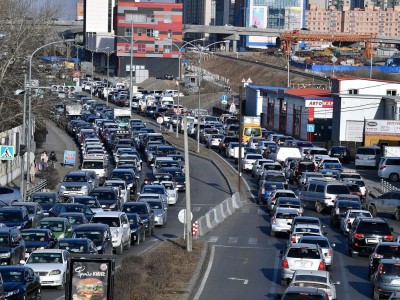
(7, 152)
(224, 99)
(232, 108)
(178, 111)
(310, 127)
(182, 216)
(160, 120)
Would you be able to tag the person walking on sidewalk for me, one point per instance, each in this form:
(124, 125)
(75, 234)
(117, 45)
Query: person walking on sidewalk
(44, 157)
(52, 158)
(32, 171)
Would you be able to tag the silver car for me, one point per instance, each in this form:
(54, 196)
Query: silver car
(281, 221)
(389, 168)
(160, 211)
(305, 229)
(273, 197)
(300, 257)
(326, 247)
(315, 279)
(351, 214)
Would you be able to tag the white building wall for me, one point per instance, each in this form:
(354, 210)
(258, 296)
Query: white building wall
(96, 18)
(368, 87)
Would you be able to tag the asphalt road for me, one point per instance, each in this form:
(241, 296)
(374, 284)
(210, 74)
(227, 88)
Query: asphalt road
(208, 188)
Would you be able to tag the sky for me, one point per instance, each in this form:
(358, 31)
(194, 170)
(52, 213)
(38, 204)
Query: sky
(68, 8)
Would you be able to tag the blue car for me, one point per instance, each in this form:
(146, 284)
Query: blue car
(36, 238)
(20, 282)
(267, 188)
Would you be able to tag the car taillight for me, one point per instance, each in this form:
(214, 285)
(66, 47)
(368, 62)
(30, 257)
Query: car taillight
(380, 270)
(337, 211)
(321, 266)
(376, 255)
(285, 263)
(388, 238)
(358, 236)
(273, 220)
(329, 253)
(273, 199)
(293, 239)
(382, 167)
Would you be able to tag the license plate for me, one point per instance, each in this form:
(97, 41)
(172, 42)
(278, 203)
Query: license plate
(302, 263)
(372, 241)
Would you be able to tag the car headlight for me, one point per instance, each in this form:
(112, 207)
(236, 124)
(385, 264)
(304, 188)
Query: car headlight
(55, 272)
(84, 187)
(11, 293)
(114, 234)
(159, 215)
(133, 230)
(62, 188)
(112, 205)
(98, 248)
(6, 254)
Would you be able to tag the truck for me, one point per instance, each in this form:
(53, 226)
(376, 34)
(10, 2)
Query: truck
(122, 116)
(391, 151)
(250, 128)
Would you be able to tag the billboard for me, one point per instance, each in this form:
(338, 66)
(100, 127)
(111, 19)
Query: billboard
(90, 277)
(382, 127)
(319, 103)
(69, 157)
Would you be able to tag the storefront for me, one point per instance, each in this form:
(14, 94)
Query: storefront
(382, 133)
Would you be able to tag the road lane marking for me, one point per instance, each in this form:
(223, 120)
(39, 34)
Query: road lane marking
(253, 241)
(245, 281)
(272, 290)
(233, 240)
(61, 297)
(213, 239)
(206, 274)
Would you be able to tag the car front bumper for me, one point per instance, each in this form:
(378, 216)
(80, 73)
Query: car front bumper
(159, 220)
(51, 280)
(280, 228)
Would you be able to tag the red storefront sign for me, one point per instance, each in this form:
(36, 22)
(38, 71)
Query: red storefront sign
(319, 103)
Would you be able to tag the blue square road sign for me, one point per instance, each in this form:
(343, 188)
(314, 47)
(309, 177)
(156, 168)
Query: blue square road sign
(7, 152)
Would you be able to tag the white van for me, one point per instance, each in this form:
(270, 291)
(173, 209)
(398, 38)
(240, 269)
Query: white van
(167, 101)
(282, 153)
(368, 156)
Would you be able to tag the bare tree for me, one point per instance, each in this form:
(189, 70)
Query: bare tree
(24, 27)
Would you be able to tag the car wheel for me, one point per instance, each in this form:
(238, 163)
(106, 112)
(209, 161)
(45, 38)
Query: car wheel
(394, 177)
(318, 207)
(372, 210)
(38, 294)
(138, 240)
(118, 250)
(128, 244)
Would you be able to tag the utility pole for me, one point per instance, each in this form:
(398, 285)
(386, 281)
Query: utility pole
(130, 71)
(187, 190)
(23, 138)
(240, 145)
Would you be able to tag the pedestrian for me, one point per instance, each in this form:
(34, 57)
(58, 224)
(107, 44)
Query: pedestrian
(32, 171)
(43, 165)
(52, 158)
(44, 157)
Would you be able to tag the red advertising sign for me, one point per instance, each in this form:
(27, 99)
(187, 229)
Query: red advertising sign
(319, 103)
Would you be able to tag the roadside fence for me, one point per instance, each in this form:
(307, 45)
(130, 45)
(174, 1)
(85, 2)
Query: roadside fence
(387, 187)
(218, 214)
(38, 187)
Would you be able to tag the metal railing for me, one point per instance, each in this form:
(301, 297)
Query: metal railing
(387, 187)
(41, 185)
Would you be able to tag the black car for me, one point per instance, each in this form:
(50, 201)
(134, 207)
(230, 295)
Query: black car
(129, 176)
(15, 216)
(150, 111)
(99, 233)
(107, 197)
(89, 201)
(138, 230)
(20, 282)
(341, 152)
(60, 208)
(144, 211)
(382, 251)
(340, 209)
(46, 200)
(75, 218)
(178, 176)
(77, 245)
(36, 238)
(12, 246)
(366, 233)
(35, 212)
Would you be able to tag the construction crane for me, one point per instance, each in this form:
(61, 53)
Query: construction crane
(293, 37)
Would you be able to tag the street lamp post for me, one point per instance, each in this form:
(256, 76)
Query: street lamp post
(30, 100)
(131, 71)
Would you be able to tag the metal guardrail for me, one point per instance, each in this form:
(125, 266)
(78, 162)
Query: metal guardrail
(387, 187)
(41, 185)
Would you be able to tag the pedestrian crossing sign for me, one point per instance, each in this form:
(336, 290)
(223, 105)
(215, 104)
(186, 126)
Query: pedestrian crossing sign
(7, 152)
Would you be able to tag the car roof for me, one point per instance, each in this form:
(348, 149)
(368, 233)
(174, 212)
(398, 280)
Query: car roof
(286, 210)
(76, 173)
(314, 237)
(54, 219)
(44, 194)
(35, 229)
(49, 251)
(25, 204)
(305, 225)
(103, 189)
(373, 220)
(303, 245)
(91, 226)
(108, 214)
(320, 273)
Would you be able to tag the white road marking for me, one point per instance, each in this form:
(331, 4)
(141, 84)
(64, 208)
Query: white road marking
(213, 239)
(233, 240)
(275, 275)
(61, 297)
(253, 241)
(206, 274)
(245, 281)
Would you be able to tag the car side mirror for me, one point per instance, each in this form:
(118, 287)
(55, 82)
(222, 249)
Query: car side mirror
(22, 262)
(124, 225)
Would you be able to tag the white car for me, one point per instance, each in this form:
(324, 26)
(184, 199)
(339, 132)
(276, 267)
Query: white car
(273, 197)
(123, 190)
(51, 265)
(249, 160)
(172, 191)
(351, 214)
(257, 166)
(321, 279)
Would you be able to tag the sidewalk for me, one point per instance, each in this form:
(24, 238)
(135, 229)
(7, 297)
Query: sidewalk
(58, 141)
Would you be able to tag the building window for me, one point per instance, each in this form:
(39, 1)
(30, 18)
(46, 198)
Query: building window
(391, 92)
(167, 49)
(136, 18)
(151, 18)
(141, 48)
(169, 34)
(150, 32)
(128, 31)
(156, 48)
(167, 19)
(353, 92)
(139, 31)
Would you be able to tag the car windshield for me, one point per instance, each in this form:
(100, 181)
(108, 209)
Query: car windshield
(319, 242)
(153, 190)
(161, 177)
(120, 185)
(387, 251)
(284, 194)
(73, 246)
(92, 203)
(391, 270)
(374, 228)
(35, 236)
(276, 178)
(74, 178)
(350, 175)
(45, 258)
(112, 222)
(121, 175)
(273, 186)
(337, 189)
(75, 220)
(307, 230)
(252, 131)
(168, 185)
(311, 279)
(139, 209)
(272, 167)
(10, 216)
(4, 240)
(103, 195)
(155, 204)
(91, 235)
(132, 220)
(285, 216)
(366, 151)
(11, 276)
(318, 152)
(92, 165)
(55, 226)
(43, 199)
(304, 252)
(354, 215)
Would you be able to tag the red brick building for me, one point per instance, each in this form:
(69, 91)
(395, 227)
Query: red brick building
(157, 37)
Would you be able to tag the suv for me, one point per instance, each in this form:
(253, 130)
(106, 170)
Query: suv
(144, 211)
(340, 152)
(381, 251)
(304, 293)
(300, 257)
(389, 168)
(366, 233)
(15, 217)
(385, 280)
(119, 226)
(386, 203)
(75, 183)
(100, 234)
(12, 246)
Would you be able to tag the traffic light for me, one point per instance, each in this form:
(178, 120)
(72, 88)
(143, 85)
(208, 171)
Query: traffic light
(22, 149)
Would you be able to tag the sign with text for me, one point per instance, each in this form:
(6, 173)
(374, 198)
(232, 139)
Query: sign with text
(382, 127)
(319, 103)
(69, 157)
(90, 278)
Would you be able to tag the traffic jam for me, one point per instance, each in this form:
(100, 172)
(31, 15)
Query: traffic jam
(111, 204)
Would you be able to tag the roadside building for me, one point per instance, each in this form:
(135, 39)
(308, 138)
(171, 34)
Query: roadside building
(382, 133)
(359, 99)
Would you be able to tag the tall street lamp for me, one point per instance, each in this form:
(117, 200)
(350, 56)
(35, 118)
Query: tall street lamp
(28, 180)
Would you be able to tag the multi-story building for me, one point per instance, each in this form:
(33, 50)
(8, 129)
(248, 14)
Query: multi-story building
(157, 37)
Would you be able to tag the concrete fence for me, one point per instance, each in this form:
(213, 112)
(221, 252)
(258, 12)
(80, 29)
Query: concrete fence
(218, 214)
